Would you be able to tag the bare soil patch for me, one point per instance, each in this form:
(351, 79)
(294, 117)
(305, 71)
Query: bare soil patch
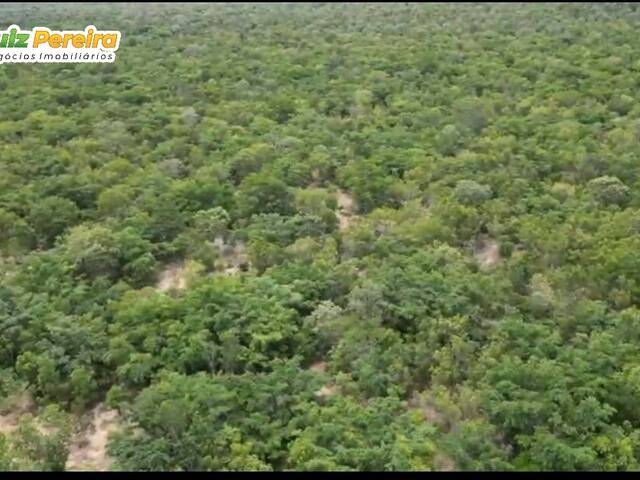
(327, 391)
(233, 257)
(487, 252)
(345, 212)
(173, 277)
(88, 449)
(320, 367)
(10, 418)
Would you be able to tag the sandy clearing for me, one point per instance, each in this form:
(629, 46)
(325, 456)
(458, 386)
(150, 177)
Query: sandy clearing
(88, 449)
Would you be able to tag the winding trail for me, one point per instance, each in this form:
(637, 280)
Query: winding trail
(88, 449)
(345, 209)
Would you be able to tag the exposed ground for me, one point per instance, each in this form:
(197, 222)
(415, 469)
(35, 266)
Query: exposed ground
(443, 463)
(320, 367)
(345, 209)
(173, 277)
(426, 409)
(88, 449)
(10, 418)
(233, 257)
(328, 389)
(233, 260)
(487, 252)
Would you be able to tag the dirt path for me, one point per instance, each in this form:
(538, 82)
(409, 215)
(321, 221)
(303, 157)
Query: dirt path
(88, 449)
(345, 209)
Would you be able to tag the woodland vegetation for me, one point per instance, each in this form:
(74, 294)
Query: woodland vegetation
(325, 237)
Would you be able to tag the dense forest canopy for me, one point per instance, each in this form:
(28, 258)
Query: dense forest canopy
(324, 237)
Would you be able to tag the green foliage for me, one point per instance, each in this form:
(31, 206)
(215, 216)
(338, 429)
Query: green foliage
(211, 222)
(609, 190)
(384, 252)
(37, 445)
(260, 194)
(469, 192)
(50, 217)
